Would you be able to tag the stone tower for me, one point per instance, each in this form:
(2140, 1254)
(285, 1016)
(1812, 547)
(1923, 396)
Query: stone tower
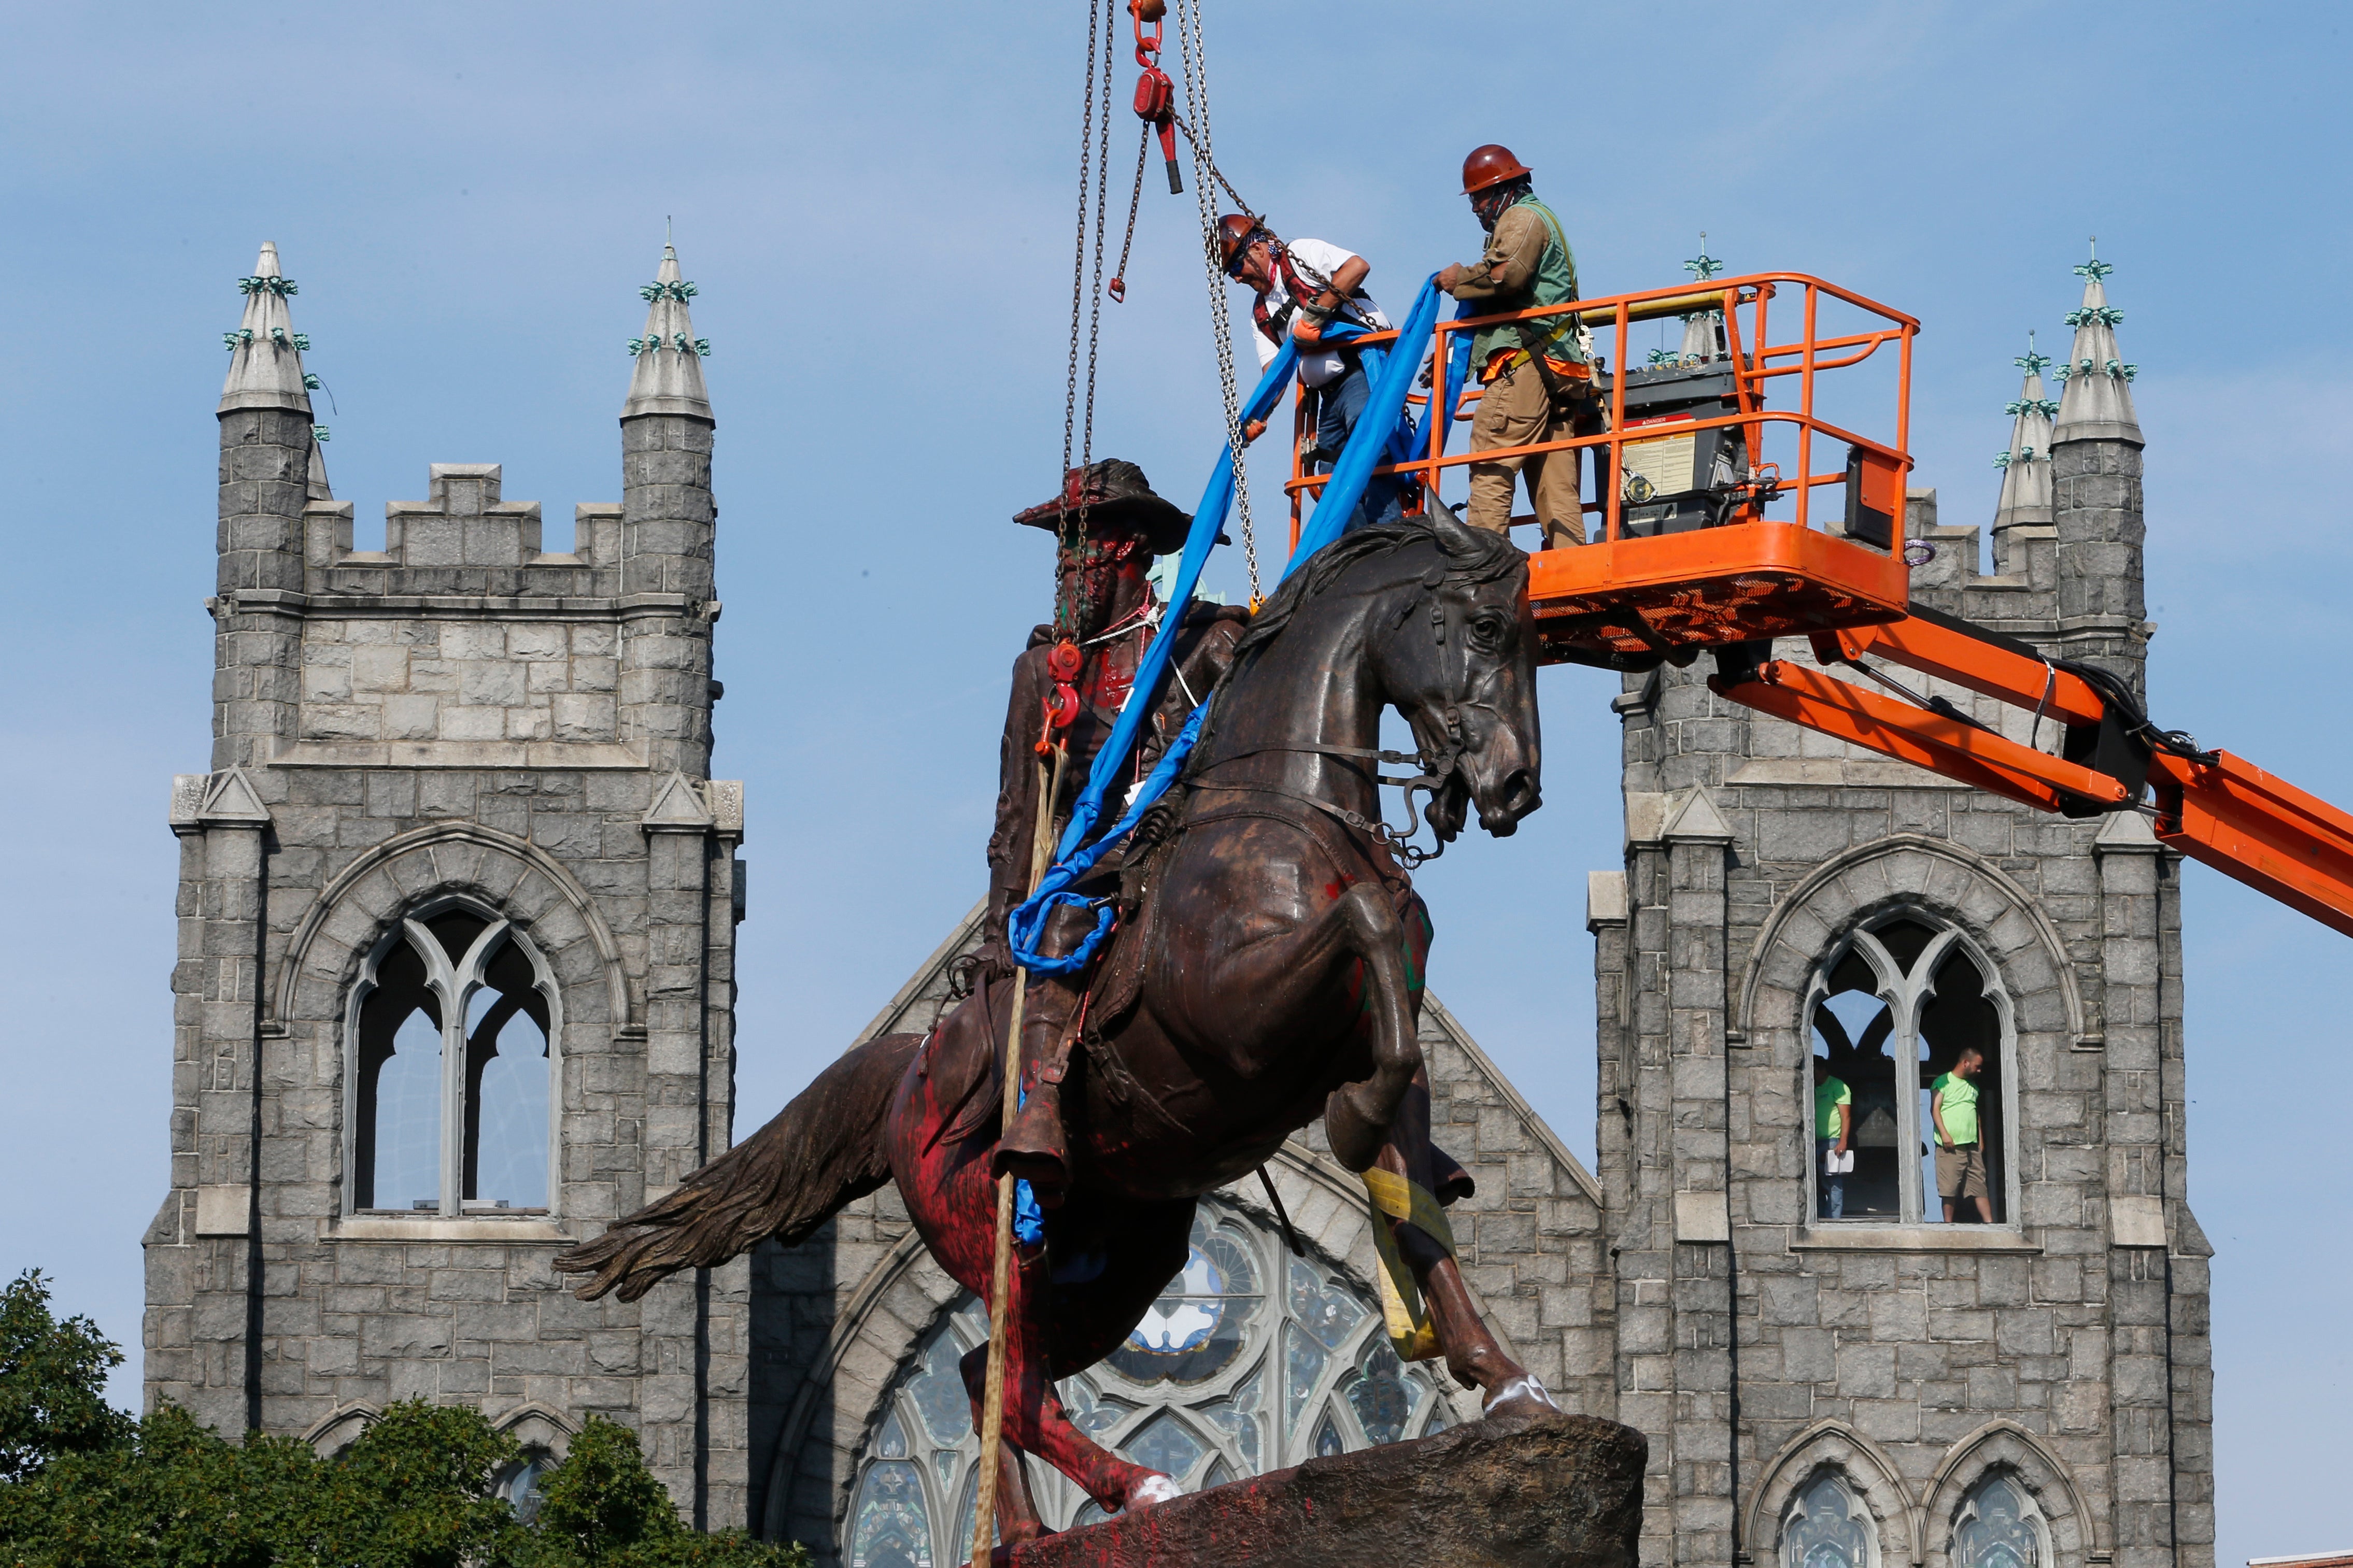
(456, 913)
(1881, 1384)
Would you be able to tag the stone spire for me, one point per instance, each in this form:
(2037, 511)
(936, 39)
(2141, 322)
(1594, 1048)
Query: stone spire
(319, 489)
(1704, 335)
(2026, 466)
(265, 367)
(2095, 495)
(2097, 405)
(669, 520)
(668, 374)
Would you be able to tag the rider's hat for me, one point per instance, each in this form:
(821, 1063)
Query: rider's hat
(1118, 498)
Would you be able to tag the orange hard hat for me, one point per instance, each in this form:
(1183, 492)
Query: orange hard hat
(1236, 233)
(1491, 165)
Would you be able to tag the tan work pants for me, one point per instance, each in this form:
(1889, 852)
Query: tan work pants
(1517, 411)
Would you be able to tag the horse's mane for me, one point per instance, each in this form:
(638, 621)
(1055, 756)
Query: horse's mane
(1472, 555)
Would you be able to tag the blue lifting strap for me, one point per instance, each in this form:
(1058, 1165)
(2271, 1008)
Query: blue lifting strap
(1384, 410)
(1392, 376)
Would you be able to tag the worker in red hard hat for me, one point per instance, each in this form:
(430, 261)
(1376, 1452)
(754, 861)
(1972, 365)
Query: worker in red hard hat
(1537, 375)
(1303, 286)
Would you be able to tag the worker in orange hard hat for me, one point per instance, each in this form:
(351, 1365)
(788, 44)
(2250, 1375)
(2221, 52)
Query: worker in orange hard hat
(1539, 374)
(1303, 286)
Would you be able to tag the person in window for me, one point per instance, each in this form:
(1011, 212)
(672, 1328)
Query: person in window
(1960, 1158)
(1833, 1131)
(1303, 286)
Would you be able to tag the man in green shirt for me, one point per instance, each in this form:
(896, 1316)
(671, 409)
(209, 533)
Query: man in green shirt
(1538, 375)
(1960, 1156)
(1833, 1134)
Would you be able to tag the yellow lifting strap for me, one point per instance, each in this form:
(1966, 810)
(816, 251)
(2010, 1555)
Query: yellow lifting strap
(1396, 1200)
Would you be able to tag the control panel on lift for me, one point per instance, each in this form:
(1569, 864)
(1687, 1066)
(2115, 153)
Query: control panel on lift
(1676, 481)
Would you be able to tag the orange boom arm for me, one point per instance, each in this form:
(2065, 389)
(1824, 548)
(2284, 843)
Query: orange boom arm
(2210, 805)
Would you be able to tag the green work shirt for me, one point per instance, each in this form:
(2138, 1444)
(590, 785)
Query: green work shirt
(1552, 283)
(1829, 1095)
(1960, 1105)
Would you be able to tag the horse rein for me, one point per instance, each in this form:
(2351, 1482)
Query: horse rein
(1398, 842)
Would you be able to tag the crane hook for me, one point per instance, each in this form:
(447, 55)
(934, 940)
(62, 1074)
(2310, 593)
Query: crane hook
(1155, 95)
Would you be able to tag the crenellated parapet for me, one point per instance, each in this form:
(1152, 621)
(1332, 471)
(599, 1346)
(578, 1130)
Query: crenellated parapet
(463, 538)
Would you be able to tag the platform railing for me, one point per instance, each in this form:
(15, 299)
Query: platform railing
(1755, 360)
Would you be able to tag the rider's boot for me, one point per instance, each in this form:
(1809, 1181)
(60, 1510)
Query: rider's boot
(1034, 1146)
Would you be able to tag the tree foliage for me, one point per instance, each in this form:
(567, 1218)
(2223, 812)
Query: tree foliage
(88, 1487)
(52, 1382)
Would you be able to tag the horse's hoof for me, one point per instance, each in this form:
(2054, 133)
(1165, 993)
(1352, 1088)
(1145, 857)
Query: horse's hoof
(1521, 1395)
(1153, 1488)
(1356, 1141)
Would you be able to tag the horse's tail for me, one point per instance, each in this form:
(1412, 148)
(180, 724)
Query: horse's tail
(819, 1153)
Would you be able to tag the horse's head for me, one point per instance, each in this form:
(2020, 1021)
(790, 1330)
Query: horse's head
(1458, 658)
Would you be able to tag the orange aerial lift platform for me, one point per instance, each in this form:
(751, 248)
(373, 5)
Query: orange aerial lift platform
(1702, 542)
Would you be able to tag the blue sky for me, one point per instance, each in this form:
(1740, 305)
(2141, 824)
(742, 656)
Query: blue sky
(877, 203)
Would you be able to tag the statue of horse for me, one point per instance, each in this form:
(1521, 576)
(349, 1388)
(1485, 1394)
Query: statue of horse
(1268, 971)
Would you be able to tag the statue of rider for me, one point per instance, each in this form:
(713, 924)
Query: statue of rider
(1109, 525)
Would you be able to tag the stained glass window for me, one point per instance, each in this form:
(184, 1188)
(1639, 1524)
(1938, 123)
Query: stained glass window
(1250, 1360)
(519, 1483)
(1828, 1527)
(1998, 1526)
(1379, 1395)
(890, 1527)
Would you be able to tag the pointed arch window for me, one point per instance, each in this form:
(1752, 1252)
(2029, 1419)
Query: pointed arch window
(1828, 1526)
(1999, 1525)
(451, 1070)
(1893, 1010)
(1251, 1360)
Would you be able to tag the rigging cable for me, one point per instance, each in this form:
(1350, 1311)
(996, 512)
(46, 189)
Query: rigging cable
(1094, 158)
(1196, 66)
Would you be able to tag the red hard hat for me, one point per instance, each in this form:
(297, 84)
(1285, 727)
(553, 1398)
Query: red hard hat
(1236, 231)
(1491, 165)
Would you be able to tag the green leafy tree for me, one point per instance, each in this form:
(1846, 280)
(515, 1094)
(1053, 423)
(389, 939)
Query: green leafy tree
(88, 1487)
(52, 1382)
(417, 1490)
(601, 1507)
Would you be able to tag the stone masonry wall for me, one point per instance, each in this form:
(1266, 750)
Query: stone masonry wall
(441, 721)
(1754, 1346)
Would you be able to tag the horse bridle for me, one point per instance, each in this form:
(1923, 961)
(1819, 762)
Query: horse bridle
(1398, 841)
(1438, 769)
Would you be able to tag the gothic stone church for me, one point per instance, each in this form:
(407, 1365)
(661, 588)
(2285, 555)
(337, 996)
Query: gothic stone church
(458, 912)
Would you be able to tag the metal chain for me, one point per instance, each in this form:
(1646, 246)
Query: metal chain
(1102, 179)
(1135, 202)
(1196, 64)
(1100, 46)
(1217, 173)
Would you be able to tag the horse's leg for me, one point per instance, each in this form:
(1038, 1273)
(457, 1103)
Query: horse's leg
(1016, 1509)
(1357, 1116)
(1473, 1354)
(944, 1179)
(1034, 1420)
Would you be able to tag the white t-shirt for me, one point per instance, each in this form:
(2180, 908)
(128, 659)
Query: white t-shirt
(1314, 260)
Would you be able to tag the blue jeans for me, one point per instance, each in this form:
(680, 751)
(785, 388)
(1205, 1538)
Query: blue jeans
(1833, 1192)
(1339, 405)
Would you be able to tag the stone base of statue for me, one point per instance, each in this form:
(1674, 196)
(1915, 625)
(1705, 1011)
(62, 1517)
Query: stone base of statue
(1560, 1491)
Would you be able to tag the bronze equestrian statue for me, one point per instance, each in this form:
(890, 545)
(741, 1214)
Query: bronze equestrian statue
(1266, 969)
